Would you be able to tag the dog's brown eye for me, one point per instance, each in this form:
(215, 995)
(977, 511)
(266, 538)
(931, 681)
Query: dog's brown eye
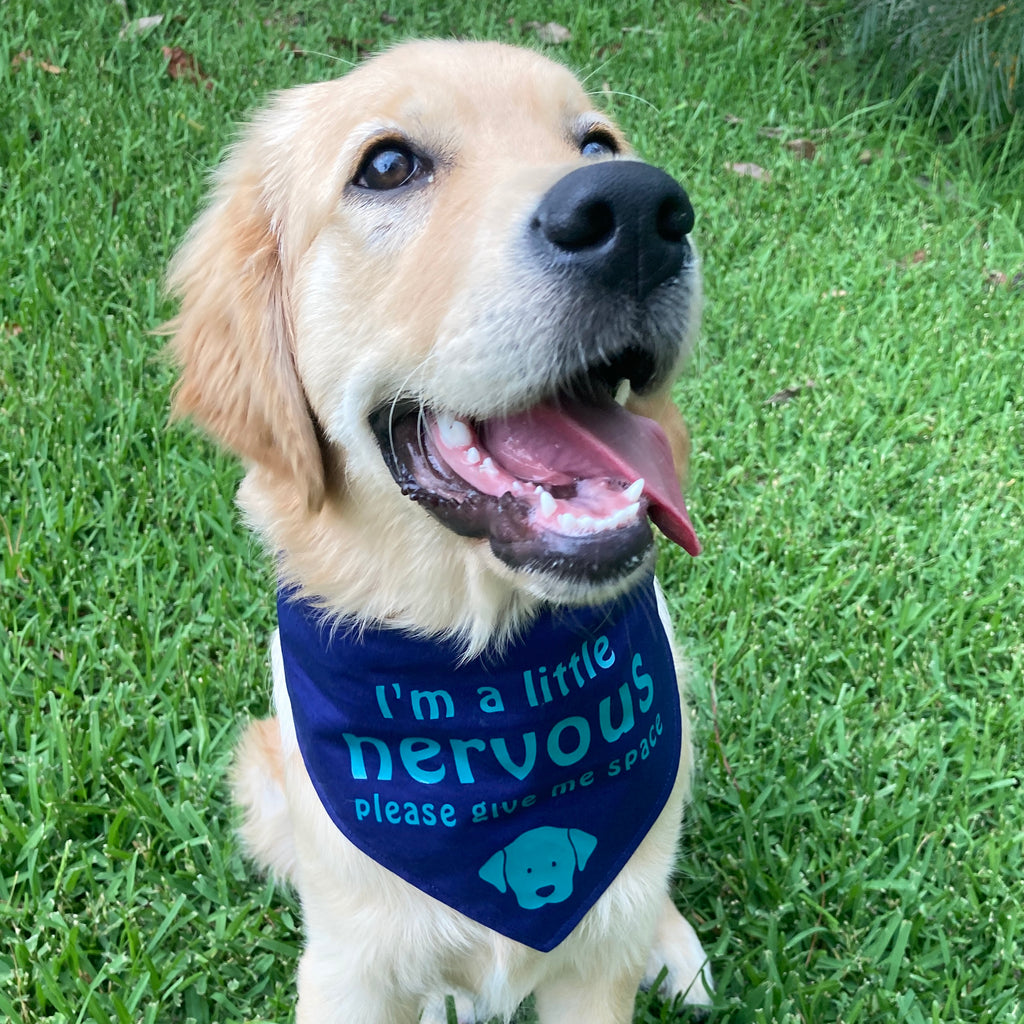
(388, 166)
(598, 143)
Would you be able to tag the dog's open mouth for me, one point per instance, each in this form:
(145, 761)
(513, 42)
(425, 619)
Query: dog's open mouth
(564, 487)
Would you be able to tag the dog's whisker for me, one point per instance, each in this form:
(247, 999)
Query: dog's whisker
(327, 56)
(406, 390)
(627, 95)
(596, 71)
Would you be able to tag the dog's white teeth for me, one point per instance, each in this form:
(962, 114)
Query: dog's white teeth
(472, 456)
(626, 515)
(635, 489)
(614, 520)
(574, 525)
(620, 518)
(547, 503)
(488, 467)
(454, 432)
(622, 392)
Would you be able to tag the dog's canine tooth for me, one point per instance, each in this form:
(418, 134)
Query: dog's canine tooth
(547, 503)
(635, 489)
(622, 391)
(454, 432)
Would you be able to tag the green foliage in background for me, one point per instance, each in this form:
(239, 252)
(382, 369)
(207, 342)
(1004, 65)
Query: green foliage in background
(967, 56)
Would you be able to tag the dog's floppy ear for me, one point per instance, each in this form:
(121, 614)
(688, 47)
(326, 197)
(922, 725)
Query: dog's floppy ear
(584, 844)
(233, 336)
(660, 407)
(494, 871)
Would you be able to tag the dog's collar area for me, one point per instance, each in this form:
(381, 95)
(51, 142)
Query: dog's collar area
(512, 788)
(564, 487)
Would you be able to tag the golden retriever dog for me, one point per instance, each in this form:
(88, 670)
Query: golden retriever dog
(436, 306)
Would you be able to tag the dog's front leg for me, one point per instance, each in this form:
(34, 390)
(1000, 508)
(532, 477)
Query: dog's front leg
(677, 949)
(578, 996)
(335, 988)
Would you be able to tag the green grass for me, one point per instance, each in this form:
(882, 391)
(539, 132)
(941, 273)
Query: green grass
(856, 846)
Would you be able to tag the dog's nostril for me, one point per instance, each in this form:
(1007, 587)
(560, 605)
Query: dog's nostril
(674, 218)
(580, 227)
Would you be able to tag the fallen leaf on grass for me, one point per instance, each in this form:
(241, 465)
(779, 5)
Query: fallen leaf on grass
(788, 394)
(549, 32)
(998, 279)
(754, 171)
(802, 149)
(182, 65)
(917, 256)
(140, 25)
(25, 56)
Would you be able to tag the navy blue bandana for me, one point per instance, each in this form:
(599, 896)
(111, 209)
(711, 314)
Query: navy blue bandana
(512, 789)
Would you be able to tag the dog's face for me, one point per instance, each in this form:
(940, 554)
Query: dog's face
(420, 288)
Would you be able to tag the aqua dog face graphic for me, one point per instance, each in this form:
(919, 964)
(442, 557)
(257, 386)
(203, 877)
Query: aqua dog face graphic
(540, 865)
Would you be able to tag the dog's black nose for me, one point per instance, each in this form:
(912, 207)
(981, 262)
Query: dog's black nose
(621, 223)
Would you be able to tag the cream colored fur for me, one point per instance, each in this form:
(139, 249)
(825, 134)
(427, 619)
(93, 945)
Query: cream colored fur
(303, 308)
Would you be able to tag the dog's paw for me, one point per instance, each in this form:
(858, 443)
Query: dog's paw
(678, 955)
(436, 1009)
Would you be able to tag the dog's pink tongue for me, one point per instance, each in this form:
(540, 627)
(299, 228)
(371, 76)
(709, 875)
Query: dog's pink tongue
(558, 444)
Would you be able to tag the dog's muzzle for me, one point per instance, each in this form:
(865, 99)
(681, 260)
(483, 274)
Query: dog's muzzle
(567, 485)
